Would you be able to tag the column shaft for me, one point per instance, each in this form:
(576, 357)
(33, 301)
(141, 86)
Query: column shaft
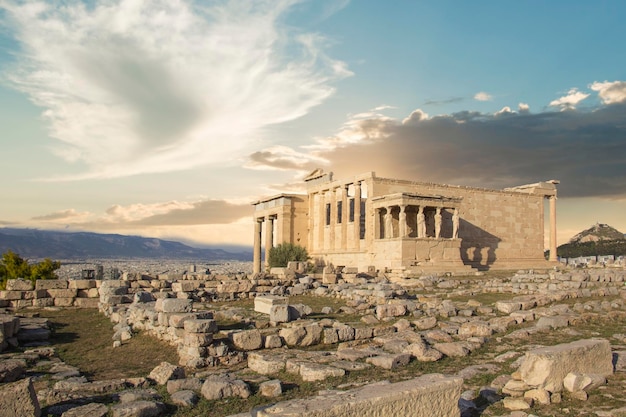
(321, 219)
(552, 228)
(269, 239)
(344, 218)
(357, 215)
(333, 217)
(256, 256)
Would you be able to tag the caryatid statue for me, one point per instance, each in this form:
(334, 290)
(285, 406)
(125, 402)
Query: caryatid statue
(388, 224)
(421, 222)
(438, 223)
(455, 224)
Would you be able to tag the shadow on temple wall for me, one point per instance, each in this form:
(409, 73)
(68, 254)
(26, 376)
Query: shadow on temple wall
(478, 247)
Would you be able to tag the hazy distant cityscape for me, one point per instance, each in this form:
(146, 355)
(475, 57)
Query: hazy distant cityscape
(73, 269)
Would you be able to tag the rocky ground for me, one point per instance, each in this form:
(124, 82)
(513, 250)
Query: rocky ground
(351, 334)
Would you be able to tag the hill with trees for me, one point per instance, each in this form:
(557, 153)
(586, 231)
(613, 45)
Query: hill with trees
(599, 239)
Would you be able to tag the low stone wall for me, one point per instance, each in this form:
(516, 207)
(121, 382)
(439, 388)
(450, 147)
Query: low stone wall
(20, 293)
(427, 396)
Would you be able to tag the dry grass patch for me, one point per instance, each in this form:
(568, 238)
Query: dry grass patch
(83, 338)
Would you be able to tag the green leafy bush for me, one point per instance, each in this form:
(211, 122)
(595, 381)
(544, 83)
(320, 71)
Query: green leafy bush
(13, 266)
(283, 253)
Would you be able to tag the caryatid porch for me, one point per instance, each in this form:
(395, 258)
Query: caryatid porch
(414, 230)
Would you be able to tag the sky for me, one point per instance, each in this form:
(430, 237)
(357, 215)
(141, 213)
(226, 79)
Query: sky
(168, 118)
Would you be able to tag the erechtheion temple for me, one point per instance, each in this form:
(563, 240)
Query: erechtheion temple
(367, 222)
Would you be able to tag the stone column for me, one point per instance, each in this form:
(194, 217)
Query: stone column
(269, 239)
(402, 226)
(321, 221)
(333, 217)
(256, 257)
(552, 228)
(344, 218)
(357, 215)
(311, 222)
(438, 219)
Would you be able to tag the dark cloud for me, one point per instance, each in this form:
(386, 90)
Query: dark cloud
(586, 150)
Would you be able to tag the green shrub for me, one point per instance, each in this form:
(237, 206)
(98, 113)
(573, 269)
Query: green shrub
(283, 253)
(13, 266)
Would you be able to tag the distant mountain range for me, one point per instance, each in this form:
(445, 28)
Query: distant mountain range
(599, 239)
(33, 243)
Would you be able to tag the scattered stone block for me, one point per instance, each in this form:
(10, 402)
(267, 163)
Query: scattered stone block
(173, 305)
(89, 410)
(266, 364)
(279, 313)
(273, 341)
(293, 336)
(507, 307)
(516, 403)
(552, 322)
(184, 398)
(575, 381)
(316, 372)
(547, 367)
(452, 349)
(271, 388)
(11, 369)
(264, 303)
(390, 361)
(475, 328)
(18, 399)
(200, 326)
(246, 340)
(219, 387)
(141, 408)
(166, 371)
(390, 310)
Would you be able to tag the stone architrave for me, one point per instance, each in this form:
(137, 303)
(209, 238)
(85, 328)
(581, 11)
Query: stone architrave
(406, 398)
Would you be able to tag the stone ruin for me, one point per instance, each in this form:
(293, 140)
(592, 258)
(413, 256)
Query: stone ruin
(400, 322)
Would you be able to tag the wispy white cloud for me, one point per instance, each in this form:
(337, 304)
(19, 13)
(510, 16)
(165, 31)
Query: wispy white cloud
(139, 86)
(569, 101)
(64, 216)
(482, 96)
(148, 216)
(610, 92)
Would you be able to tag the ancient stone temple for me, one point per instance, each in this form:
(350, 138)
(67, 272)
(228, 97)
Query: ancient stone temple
(370, 222)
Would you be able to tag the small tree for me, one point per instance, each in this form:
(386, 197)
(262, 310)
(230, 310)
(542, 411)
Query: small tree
(284, 253)
(13, 266)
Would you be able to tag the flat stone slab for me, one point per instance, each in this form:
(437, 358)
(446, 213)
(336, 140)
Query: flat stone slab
(264, 303)
(547, 367)
(427, 396)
